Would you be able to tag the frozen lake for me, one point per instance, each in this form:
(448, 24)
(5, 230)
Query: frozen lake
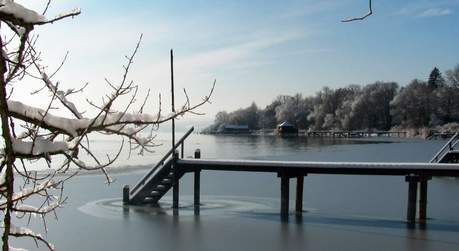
(241, 210)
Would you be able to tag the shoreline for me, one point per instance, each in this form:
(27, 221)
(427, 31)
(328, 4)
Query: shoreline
(125, 169)
(116, 170)
(433, 132)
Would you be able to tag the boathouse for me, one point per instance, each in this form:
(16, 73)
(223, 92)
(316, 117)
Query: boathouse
(286, 128)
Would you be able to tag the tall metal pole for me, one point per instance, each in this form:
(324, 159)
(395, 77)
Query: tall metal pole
(173, 103)
(175, 187)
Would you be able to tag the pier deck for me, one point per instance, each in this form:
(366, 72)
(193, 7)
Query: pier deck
(311, 167)
(416, 174)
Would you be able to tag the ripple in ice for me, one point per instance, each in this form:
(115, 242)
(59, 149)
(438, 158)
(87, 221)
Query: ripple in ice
(210, 205)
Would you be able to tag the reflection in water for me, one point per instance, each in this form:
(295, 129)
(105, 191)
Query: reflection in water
(212, 205)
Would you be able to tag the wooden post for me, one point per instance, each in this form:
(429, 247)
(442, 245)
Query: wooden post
(285, 183)
(126, 194)
(183, 150)
(197, 154)
(412, 194)
(197, 184)
(299, 194)
(175, 186)
(423, 199)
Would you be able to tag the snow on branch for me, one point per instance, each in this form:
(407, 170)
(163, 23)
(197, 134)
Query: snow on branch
(10, 248)
(370, 12)
(61, 95)
(37, 210)
(26, 232)
(71, 13)
(41, 147)
(19, 15)
(48, 121)
(27, 192)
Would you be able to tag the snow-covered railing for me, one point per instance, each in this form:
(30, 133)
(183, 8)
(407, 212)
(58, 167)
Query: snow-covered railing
(180, 143)
(447, 147)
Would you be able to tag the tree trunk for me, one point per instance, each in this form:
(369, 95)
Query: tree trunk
(9, 154)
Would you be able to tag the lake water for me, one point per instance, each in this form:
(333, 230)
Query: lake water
(240, 211)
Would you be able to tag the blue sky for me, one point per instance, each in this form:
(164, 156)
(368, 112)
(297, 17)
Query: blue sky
(255, 49)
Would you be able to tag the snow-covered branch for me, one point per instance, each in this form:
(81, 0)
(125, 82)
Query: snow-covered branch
(45, 131)
(26, 209)
(26, 232)
(48, 121)
(18, 14)
(27, 18)
(41, 147)
(71, 13)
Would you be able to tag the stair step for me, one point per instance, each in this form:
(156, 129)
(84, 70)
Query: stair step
(166, 181)
(150, 200)
(155, 193)
(160, 187)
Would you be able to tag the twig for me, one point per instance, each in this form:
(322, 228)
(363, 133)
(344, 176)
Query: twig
(370, 12)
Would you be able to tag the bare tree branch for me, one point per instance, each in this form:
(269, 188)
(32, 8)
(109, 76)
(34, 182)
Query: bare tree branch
(370, 12)
(34, 133)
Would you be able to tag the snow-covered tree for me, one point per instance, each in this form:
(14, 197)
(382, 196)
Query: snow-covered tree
(452, 76)
(411, 106)
(43, 133)
(371, 109)
(295, 110)
(435, 79)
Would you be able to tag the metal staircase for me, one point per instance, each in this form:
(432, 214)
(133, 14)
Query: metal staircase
(448, 153)
(159, 180)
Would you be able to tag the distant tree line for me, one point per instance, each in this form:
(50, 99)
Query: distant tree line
(376, 106)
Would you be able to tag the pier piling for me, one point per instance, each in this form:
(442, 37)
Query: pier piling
(126, 194)
(175, 187)
(197, 183)
(423, 199)
(299, 194)
(285, 184)
(412, 196)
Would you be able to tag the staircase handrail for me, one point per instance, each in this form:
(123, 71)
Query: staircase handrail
(166, 156)
(448, 144)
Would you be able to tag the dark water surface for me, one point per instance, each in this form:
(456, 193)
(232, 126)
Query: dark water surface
(240, 211)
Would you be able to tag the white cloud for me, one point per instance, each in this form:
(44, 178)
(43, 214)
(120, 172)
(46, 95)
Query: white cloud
(435, 12)
(429, 8)
(232, 57)
(235, 54)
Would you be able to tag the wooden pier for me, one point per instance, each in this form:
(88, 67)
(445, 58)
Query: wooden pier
(171, 168)
(413, 173)
(441, 135)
